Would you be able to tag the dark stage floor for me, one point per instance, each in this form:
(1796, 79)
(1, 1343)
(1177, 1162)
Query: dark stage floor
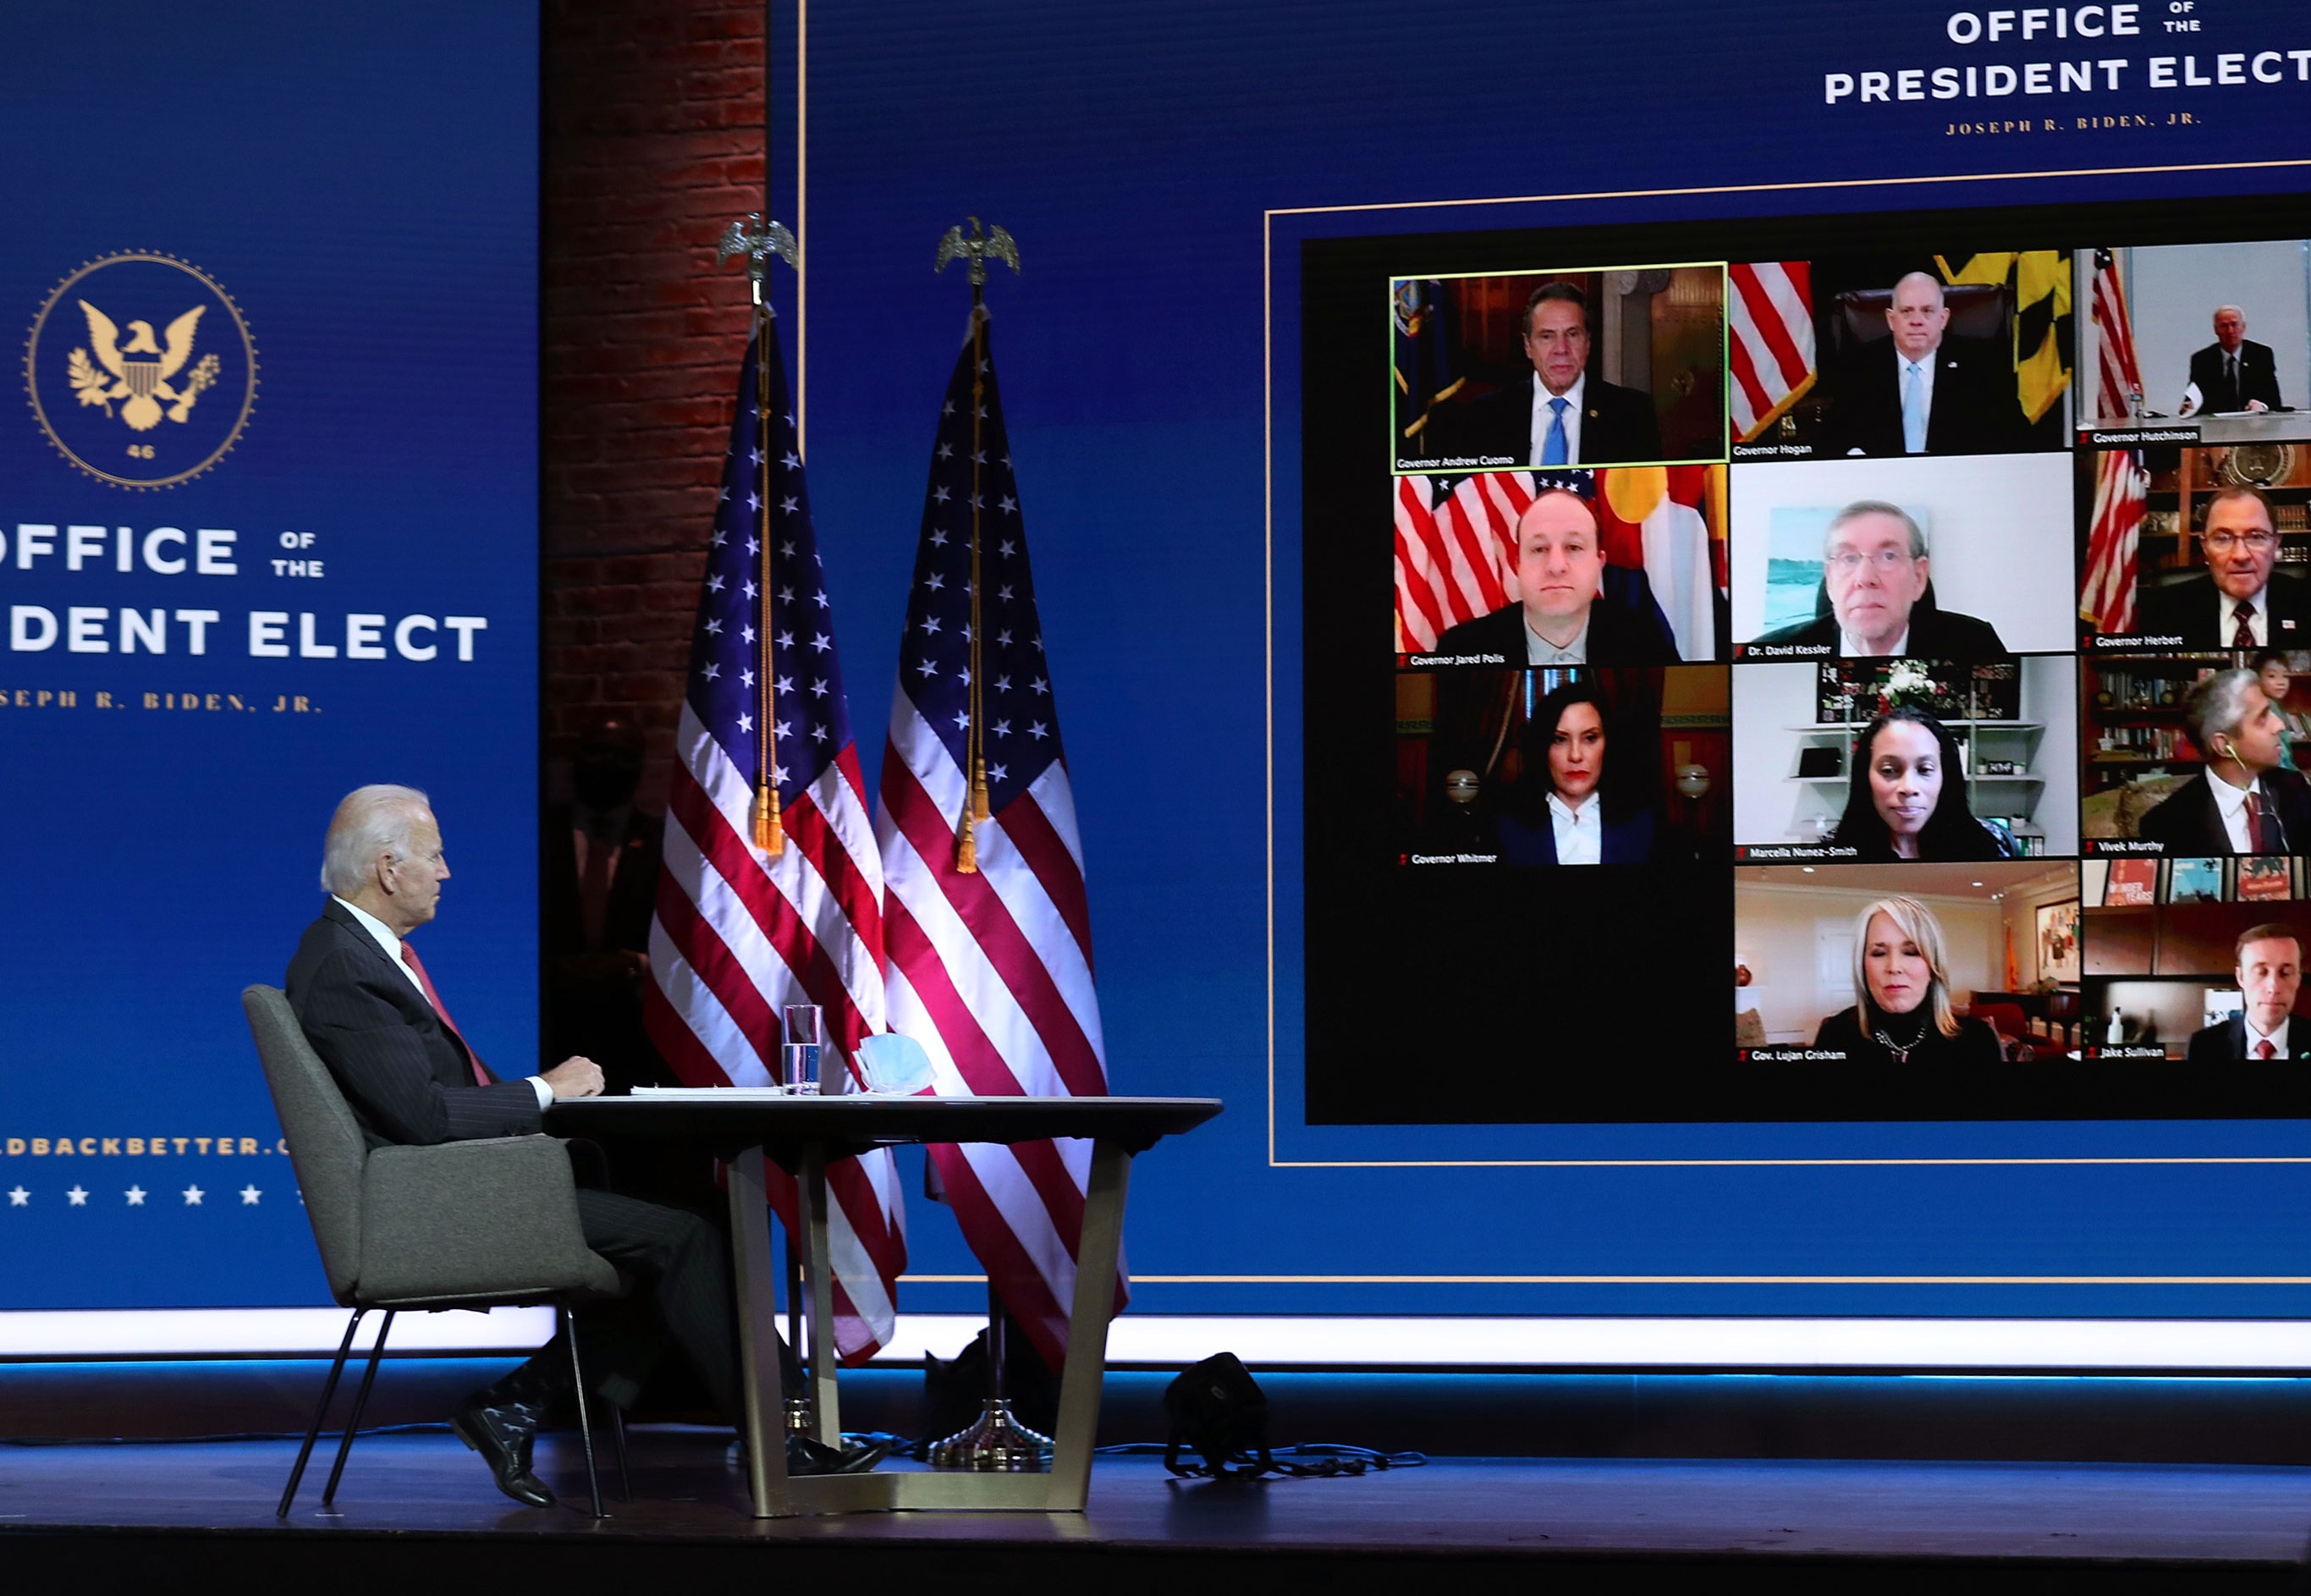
(419, 1506)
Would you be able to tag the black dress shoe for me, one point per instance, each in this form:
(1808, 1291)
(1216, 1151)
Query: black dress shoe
(503, 1435)
(806, 1457)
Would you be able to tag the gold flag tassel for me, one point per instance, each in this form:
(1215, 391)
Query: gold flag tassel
(966, 846)
(770, 836)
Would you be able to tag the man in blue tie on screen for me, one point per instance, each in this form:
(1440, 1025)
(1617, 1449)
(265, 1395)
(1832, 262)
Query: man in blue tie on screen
(1919, 392)
(1562, 415)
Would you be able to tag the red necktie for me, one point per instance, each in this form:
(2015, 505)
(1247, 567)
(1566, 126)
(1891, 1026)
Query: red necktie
(2244, 636)
(2260, 826)
(2263, 1050)
(417, 968)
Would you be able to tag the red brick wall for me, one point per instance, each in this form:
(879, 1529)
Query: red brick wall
(652, 143)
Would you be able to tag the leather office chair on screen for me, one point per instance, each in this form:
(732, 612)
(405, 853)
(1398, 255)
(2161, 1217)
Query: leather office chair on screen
(398, 1229)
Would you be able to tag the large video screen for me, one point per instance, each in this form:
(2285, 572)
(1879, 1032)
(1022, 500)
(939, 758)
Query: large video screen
(1810, 668)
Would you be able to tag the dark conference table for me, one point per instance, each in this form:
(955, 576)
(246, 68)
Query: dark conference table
(804, 1135)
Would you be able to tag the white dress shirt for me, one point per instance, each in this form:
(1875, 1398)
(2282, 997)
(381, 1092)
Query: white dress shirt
(2231, 802)
(2227, 622)
(1539, 650)
(2278, 1040)
(390, 945)
(1543, 418)
(1853, 647)
(1580, 833)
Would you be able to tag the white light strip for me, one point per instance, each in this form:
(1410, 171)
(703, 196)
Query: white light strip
(1174, 1340)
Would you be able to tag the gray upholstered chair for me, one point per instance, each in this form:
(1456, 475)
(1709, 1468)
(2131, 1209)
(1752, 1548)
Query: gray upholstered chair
(464, 1224)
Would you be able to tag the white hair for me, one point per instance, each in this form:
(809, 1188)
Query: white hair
(370, 821)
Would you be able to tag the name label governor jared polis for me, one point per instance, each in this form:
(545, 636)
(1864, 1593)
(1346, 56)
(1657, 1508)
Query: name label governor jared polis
(66, 550)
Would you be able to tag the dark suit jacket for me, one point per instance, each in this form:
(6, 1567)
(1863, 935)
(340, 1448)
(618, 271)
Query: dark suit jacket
(1619, 842)
(1973, 410)
(1617, 423)
(1625, 627)
(2192, 826)
(1935, 633)
(2187, 609)
(2258, 377)
(409, 1079)
(2227, 1043)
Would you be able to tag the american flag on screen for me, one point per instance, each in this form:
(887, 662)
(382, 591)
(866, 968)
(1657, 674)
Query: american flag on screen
(739, 932)
(1456, 550)
(2106, 596)
(990, 968)
(2117, 378)
(1769, 346)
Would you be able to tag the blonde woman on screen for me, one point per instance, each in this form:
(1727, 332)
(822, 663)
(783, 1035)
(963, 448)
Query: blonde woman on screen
(1902, 1016)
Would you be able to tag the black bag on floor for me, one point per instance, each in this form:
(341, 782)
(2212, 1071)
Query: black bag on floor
(1218, 1411)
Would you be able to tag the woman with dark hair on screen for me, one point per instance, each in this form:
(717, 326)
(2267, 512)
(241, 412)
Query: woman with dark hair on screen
(1577, 802)
(1902, 1014)
(1908, 797)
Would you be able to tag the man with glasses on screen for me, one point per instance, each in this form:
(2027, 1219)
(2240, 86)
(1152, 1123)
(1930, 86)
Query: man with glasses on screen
(1877, 594)
(2237, 602)
(2270, 971)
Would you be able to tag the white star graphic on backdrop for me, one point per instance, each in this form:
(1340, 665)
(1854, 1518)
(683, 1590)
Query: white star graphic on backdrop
(786, 551)
(784, 684)
(1038, 641)
(819, 599)
(818, 687)
(821, 641)
(780, 729)
(962, 719)
(786, 595)
(747, 635)
(818, 734)
(249, 1196)
(789, 505)
(947, 408)
(753, 502)
(20, 1198)
(77, 1197)
(946, 451)
(928, 668)
(712, 671)
(754, 456)
(746, 678)
(1042, 686)
(1003, 684)
(785, 640)
(1004, 549)
(136, 1196)
(746, 723)
(1008, 505)
(1002, 640)
(193, 1195)
(938, 538)
(935, 581)
(790, 460)
(750, 589)
(1037, 730)
(1001, 728)
(996, 772)
(930, 625)
(939, 495)
(713, 628)
(714, 583)
(718, 537)
(753, 548)
(1004, 593)
(965, 672)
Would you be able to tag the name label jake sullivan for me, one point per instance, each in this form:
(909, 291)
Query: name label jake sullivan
(51, 554)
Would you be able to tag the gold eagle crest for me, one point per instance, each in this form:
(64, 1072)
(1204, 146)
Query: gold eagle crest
(140, 384)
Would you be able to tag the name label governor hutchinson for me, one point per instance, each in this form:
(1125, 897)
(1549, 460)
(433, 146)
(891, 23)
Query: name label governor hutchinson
(65, 550)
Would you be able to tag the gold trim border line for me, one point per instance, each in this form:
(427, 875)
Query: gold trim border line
(1268, 574)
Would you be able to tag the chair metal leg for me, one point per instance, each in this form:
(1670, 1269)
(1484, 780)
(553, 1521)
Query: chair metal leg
(618, 1444)
(321, 1412)
(361, 1406)
(585, 1423)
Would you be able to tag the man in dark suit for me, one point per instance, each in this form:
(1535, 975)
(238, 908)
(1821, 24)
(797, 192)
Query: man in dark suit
(2243, 802)
(1564, 417)
(2236, 603)
(374, 1014)
(2232, 373)
(1918, 393)
(1575, 608)
(1876, 570)
(2270, 968)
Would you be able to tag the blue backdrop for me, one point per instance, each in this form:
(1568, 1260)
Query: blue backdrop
(362, 184)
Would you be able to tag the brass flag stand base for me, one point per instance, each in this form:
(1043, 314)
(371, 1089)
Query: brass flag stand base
(998, 1443)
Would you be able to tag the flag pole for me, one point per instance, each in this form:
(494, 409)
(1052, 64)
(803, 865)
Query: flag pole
(758, 240)
(975, 251)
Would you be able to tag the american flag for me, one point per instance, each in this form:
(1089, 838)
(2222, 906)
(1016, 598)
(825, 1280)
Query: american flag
(739, 932)
(2106, 596)
(1769, 320)
(990, 968)
(2117, 378)
(1455, 551)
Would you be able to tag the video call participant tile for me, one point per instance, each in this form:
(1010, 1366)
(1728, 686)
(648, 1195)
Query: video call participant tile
(1899, 354)
(2193, 548)
(2188, 343)
(1612, 566)
(1564, 767)
(1512, 371)
(2196, 755)
(1896, 978)
(1958, 559)
(2196, 959)
(1905, 760)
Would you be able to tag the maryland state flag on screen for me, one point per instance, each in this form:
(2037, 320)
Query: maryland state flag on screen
(2044, 330)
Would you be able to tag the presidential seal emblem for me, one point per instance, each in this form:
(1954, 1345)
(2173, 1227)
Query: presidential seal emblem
(129, 404)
